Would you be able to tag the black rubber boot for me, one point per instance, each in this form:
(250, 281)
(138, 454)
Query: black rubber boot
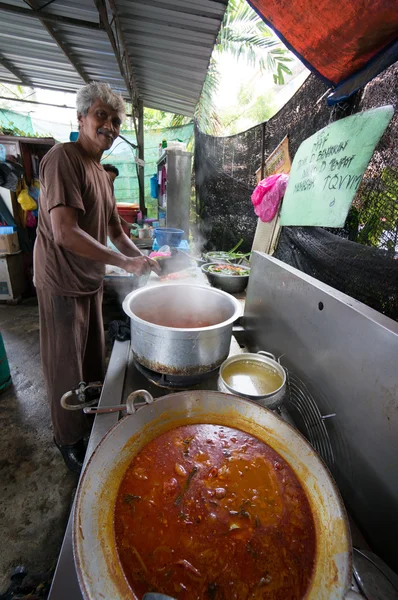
(73, 455)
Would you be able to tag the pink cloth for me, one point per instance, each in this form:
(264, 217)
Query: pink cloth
(267, 196)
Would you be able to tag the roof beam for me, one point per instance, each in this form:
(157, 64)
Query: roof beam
(15, 71)
(45, 16)
(35, 102)
(62, 45)
(116, 39)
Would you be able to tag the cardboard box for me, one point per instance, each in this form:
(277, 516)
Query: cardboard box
(12, 278)
(9, 243)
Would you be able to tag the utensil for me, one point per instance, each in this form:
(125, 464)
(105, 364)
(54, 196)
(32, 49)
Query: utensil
(130, 407)
(267, 360)
(98, 568)
(218, 258)
(233, 284)
(154, 596)
(177, 261)
(181, 351)
(374, 578)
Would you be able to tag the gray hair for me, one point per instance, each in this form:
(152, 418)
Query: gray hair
(95, 90)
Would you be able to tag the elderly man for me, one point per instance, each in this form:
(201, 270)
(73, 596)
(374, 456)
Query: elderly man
(77, 212)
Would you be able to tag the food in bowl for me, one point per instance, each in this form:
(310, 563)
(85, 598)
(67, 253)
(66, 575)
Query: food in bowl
(235, 271)
(211, 512)
(227, 277)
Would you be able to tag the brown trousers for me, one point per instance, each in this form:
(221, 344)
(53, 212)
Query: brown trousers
(72, 350)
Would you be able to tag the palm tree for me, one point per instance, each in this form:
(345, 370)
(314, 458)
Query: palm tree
(246, 37)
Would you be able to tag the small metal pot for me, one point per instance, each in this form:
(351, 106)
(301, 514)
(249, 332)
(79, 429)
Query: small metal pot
(272, 400)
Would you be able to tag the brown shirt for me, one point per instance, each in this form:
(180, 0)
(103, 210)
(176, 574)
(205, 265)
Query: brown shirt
(69, 177)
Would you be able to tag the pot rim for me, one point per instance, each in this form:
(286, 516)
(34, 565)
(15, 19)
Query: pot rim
(253, 357)
(135, 293)
(203, 267)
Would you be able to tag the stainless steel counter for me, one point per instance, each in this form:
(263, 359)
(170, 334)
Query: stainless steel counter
(122, 377)
(65, 585)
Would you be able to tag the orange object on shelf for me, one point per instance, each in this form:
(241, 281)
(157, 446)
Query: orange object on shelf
(128, 212)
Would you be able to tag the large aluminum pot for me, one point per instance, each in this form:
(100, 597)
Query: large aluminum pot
(175, 350)
(99, 571)
(272, 400)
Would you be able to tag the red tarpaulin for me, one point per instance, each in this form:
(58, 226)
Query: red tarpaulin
(346, 42)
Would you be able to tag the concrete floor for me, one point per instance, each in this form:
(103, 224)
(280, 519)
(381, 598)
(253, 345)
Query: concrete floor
(36, 489)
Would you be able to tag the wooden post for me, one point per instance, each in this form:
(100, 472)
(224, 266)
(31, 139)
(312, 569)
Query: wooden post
(262, 150)
(140, 142)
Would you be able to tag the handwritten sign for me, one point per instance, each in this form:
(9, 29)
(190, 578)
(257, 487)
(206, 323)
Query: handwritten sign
(328, 168)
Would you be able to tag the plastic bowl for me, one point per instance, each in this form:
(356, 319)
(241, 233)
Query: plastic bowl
(233, 284)
(168, 236)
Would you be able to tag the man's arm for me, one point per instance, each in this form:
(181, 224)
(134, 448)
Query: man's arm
(69, 235)
(122, 242)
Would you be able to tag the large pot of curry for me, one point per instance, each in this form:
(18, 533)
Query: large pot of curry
(204, 495)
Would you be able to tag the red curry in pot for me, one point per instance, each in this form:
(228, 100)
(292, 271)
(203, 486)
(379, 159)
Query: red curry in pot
(211, 512)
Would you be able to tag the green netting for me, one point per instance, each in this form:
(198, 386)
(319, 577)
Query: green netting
(122, 156)
(20, 124)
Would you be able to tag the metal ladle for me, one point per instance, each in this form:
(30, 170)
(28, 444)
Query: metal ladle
(130, 406)
(156, 596)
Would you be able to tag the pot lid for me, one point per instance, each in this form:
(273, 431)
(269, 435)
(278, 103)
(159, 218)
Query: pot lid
(375, 579)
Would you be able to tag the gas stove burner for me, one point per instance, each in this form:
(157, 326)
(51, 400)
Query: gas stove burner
(172, 382)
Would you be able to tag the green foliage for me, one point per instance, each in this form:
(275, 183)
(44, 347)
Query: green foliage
(244, 35)
(11, 129)
(156, 119)
(378, 214)
(206, 112)
(249, 109)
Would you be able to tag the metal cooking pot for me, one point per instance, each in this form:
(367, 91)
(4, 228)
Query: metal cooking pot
(272, 400)
(98, 568)
(176, 351)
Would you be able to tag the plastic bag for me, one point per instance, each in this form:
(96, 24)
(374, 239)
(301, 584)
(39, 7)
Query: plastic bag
(267, 196)
(26, 201)
(31, 220)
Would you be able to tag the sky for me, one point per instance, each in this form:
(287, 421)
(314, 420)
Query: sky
(235, 73)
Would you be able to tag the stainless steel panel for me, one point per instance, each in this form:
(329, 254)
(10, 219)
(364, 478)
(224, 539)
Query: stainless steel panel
(347, 354)
(65, 585)
(178, 190)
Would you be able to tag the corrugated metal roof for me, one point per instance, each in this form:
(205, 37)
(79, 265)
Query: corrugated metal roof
(169, 44)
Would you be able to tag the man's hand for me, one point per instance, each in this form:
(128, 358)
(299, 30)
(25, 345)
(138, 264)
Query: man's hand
(140, 265)
(67, 234)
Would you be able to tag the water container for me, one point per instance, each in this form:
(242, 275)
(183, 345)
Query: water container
(154, 186)
(169, 236)
(5, 377)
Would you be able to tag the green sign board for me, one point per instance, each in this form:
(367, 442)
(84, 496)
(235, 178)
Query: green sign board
(328, 168)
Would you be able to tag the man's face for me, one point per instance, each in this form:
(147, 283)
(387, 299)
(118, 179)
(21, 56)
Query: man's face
(100, 127)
